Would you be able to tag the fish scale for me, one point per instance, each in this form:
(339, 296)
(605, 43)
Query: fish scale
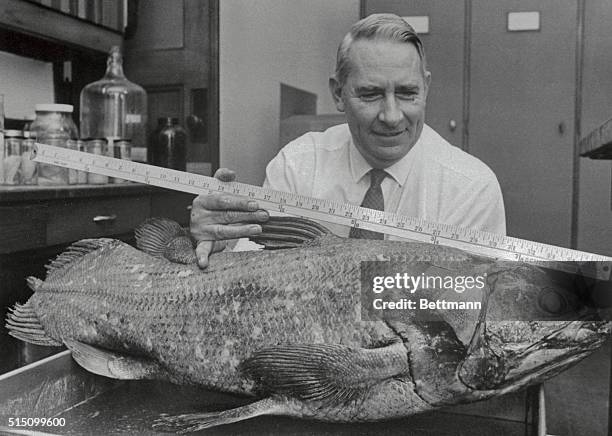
(258, 323)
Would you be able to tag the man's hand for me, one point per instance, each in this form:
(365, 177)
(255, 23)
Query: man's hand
(217, 218)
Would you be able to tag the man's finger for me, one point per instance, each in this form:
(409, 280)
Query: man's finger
(225, 202)
(225, 175)
(235, 217)
(216, 232)
(205, 248)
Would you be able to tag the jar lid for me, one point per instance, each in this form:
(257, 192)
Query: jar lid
(51, 107)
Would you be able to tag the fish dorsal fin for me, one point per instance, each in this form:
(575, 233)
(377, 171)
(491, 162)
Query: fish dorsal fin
(22, 323)
(76, 251)
(324, 372)
(161, 237)
(289, 232)
(112, 364)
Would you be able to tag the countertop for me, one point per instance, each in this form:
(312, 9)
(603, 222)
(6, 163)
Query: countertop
(12, 194)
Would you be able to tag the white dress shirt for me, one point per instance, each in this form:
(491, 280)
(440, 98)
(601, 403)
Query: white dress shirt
(435, 181)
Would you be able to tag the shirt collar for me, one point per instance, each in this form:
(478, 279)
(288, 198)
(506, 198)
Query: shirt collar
(398, 171)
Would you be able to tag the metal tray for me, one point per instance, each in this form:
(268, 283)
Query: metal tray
(94, 405)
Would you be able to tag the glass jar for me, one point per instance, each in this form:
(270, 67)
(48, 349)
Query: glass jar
(99, 147)
(170, 145)
(54, 126)
(11, 160)
(115, 108)
(122, 149)
(29, 168)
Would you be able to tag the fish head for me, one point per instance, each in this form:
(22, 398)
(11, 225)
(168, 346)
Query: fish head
(534, 324)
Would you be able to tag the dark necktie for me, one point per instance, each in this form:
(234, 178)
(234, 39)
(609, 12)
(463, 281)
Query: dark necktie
(373, 199)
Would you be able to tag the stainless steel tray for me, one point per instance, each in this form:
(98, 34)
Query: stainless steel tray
(94, 405)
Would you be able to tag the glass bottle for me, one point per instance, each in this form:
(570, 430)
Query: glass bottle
(54, 126)
(11, 160)
(115, 108)
(170, 145)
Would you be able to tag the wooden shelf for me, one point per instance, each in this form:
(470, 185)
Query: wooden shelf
(598, 143)
(56, 26)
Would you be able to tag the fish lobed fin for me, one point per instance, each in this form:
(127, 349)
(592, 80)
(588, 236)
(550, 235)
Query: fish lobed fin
(289, 232)
(329, 373)
(161, 237)
(76, 251)
(22, 323)
(191, 422)
(112, 364)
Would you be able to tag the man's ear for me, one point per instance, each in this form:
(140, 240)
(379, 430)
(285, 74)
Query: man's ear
(336, 91)
(427, 82)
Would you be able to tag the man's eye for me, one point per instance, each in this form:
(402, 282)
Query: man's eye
(410, 96)
(370, 96)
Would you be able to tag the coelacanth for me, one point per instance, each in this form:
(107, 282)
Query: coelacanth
(284, 325)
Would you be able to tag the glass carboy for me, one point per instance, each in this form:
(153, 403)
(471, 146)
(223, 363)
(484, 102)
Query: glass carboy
(113, 107)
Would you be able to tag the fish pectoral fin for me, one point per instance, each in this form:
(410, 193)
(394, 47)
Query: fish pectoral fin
(111, 364)
(289, 232)
(199, 421)
(324, 372)
(161, 237)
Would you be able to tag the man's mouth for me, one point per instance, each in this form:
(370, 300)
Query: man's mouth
(390, 134)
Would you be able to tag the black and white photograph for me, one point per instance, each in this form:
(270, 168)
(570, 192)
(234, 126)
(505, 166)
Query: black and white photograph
(306, 217)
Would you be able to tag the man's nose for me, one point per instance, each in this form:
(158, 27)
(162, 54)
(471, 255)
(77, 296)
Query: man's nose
(390, 112)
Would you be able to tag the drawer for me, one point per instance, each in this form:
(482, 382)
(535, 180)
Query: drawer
(22, 227)
(72, 220)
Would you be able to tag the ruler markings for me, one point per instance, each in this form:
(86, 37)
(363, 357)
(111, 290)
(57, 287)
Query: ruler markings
(474, 241)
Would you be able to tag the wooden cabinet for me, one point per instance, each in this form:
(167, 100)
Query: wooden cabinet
(36, 224)
(43, 217)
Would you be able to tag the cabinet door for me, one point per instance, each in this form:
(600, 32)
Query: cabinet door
(522, 112)
(170, 56)
(444, 53)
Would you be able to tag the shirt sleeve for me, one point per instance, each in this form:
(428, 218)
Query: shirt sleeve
(279, 175)
(293, 168)
(481, 207)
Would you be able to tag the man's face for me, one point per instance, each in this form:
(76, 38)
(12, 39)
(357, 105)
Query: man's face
(384, 99)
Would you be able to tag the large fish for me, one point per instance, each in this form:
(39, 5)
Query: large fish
(285, 326)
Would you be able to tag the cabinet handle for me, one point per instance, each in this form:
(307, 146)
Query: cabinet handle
(104, 218)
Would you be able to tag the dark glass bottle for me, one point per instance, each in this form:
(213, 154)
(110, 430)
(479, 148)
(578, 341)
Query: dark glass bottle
(169, 145)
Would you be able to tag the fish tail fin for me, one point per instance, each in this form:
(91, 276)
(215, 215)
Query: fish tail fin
(76, 251)
(22, 323)
(198, 421)
(161, 237)
(289, 232)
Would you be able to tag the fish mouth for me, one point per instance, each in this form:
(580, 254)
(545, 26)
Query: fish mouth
(506, 366)
(557, 351)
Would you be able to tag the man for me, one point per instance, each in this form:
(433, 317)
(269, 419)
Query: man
(385, 157)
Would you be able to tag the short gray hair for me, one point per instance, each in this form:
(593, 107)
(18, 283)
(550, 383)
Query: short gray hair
(382, 27)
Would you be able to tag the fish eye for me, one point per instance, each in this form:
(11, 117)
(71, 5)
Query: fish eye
(556, 303)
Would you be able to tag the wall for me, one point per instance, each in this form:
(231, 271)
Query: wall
(24, 83)
(595, 207)
(263, 44)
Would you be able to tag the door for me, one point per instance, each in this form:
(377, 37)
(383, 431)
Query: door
(443, 44)
(522, 111)
(171, 53)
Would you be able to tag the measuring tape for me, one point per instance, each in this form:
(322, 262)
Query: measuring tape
(474, 241)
